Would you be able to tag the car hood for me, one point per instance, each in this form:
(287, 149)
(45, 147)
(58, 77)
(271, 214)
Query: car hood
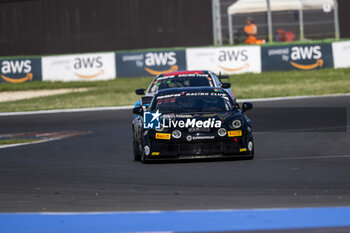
(223, 117)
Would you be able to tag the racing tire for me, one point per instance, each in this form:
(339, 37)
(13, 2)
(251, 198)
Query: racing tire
(251, 157)
(136, 150)
(143, 157)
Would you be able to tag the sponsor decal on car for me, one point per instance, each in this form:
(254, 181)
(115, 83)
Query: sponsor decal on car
(193, 75)
(192, 123)
(152, 120)
(202, 137)
(217, 92)
(183, 116)
(192, 130)
(165, 136)
(234, 133)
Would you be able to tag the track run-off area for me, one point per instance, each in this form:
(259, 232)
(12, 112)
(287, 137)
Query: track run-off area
(299, 178)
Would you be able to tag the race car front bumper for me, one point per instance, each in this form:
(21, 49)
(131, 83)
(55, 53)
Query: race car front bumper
(205, 149)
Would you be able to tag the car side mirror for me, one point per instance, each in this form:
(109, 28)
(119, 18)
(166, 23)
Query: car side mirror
(246, 106)
(140, 91)
(223, 77)
(138, 110)
(225, 85)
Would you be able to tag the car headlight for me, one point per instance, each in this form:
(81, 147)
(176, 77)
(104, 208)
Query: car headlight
(222, 132)
(236, 124)
(176, 134)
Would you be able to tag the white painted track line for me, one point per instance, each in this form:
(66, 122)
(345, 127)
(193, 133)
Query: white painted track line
(311, 157)
(66, 111)
(291, 98)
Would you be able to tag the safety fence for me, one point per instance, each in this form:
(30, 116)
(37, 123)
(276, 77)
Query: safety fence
(227, 60)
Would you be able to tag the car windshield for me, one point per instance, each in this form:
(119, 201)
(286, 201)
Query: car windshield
(181, 81)
(192, 102)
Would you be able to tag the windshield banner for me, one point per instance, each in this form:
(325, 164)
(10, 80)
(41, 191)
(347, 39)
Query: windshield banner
(297, 57)
(151, 63)
(227, 60)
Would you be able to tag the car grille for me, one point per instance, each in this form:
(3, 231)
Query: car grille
(197, 149)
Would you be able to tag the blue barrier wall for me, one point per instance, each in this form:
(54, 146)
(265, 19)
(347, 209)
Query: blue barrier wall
(20, 70)
(150, 63)
(296, 57)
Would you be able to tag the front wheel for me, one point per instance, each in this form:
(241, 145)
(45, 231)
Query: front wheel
(143, 157)
(136, 150)
(250, 146)
(144, 153)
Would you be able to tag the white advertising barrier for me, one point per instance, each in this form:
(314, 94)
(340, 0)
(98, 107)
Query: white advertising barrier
(341, 54)
(227, 60)
(79, 67)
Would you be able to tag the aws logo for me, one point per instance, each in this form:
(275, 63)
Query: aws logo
(16, 71)
(232, 57)
(161, 59)
(88, 67)
(307, 53)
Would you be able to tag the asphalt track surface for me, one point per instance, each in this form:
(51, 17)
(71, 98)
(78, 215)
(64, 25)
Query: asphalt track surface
(296, 164)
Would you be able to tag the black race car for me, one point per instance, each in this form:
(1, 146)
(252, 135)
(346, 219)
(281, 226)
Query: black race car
(192, 122)
(194, 78)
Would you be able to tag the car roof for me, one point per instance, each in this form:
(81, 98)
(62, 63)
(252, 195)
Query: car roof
(188, 89)
(184, 72)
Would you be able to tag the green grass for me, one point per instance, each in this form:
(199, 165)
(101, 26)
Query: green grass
(291, 83)
(16, 141)
(121, 91)
(105, 93)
